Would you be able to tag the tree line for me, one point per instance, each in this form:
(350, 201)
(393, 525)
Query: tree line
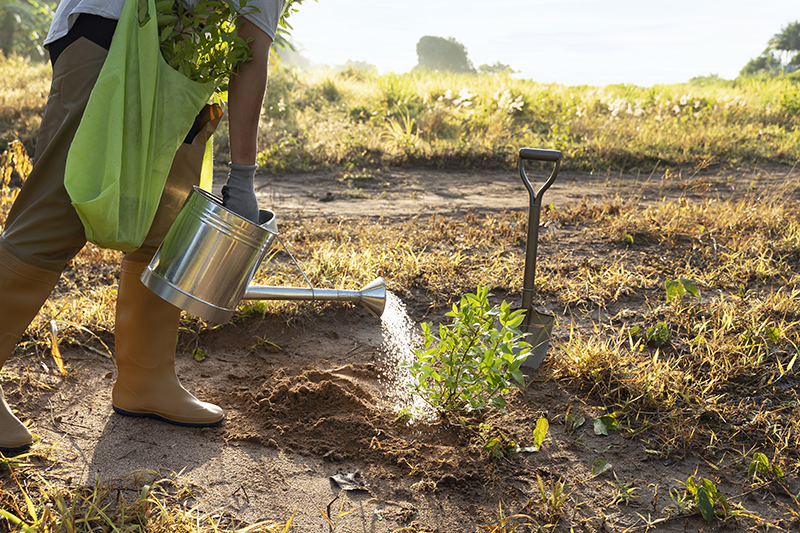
(440, 54)
(782, 54)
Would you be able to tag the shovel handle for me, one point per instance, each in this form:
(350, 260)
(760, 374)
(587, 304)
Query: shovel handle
(538, 154)
(549, 156)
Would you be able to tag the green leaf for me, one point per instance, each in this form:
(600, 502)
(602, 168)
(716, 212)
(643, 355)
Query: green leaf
(659, 334)
(705, 504)
(600, 466)
(774, 334)
(674, 289)
(540, 432)
(498, 402)
(690, 287)
(574, 420)
(600, 427)
(199, 354)
(604, 424)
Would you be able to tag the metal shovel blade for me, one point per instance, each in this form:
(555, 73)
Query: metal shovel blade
(537, 328)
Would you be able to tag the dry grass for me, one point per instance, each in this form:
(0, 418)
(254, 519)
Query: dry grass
(24, 86)
(142, 501)
(719, 372)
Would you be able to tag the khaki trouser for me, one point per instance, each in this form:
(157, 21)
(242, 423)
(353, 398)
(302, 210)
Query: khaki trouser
(42, 228)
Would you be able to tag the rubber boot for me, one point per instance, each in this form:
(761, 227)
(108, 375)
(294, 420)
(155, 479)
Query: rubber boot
(23, 290)
(146, 336)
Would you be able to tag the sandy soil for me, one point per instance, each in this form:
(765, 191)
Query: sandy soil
(313, 400)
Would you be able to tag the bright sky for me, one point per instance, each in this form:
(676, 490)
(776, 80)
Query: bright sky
(573, 42)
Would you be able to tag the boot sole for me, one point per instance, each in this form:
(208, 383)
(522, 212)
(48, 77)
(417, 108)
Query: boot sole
(154, 416)
(11, 452)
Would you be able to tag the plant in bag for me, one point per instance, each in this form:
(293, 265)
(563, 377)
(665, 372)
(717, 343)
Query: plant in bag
(199, 41)
(473, 359)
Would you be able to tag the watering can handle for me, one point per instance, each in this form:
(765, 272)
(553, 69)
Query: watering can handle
(538, 154)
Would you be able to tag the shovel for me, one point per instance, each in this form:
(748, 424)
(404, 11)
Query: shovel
(537, 326)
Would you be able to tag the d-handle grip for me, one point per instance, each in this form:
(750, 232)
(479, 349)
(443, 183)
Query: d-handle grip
(540, 154)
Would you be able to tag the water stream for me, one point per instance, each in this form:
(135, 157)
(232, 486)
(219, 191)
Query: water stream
(401, 336)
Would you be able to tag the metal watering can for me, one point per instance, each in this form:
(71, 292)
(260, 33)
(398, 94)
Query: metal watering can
(210, 254)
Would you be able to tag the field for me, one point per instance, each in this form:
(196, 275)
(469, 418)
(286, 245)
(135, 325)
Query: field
(668, 253)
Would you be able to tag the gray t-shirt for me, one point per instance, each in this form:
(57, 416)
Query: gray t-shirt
(263, 13)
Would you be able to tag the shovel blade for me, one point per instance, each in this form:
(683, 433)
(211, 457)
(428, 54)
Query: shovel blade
(537, 328)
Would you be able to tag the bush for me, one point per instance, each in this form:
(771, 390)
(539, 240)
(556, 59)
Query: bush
(473, 360)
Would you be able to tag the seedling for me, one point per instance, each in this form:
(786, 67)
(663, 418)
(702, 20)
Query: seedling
(472, 360)
(624, 493)
(657, 335)
(707, 498)
(761, 470)
(200, 42)
(677, 288)
(553, 499)
(199, 354)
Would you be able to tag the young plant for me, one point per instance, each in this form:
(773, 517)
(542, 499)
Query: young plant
(760, 469)
(705, 495)
(473, 359)
(553, 499)
(200, 42)
(624, 493)
(677, 288)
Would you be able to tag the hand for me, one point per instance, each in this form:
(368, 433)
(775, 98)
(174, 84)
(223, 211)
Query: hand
(238, 193)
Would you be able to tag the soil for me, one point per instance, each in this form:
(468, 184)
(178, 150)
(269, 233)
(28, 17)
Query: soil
(312, 398)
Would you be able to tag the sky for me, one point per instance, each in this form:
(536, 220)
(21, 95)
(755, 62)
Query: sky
(572, 42)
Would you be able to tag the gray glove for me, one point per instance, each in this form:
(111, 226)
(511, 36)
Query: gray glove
(238, 193)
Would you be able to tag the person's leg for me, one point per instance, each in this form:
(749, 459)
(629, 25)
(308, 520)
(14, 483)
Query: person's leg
(42, 231)
(23, 290)
(146, 329)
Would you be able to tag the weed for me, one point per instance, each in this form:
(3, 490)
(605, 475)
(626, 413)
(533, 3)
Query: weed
(624, 493)
(508, 524)
(553, 499)
(704, 494)
(681, 504)
(761, 469)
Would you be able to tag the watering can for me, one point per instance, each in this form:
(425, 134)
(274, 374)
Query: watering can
(536, 326)
(210, 254)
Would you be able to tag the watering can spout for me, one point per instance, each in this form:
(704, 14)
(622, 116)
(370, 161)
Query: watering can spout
(372, 296)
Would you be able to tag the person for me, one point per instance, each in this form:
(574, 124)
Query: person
(43, 232)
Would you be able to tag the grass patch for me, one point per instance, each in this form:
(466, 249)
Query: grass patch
(141, 501)
(362, 119)
(705, 373)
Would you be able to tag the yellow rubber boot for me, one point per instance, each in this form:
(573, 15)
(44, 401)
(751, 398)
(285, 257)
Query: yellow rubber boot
(14, 436)
(146, 334)
(23, 290)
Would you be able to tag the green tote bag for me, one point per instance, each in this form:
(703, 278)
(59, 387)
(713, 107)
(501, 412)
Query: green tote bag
(138, 114)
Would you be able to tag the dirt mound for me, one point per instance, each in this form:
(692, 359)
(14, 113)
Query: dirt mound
(334, 415)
